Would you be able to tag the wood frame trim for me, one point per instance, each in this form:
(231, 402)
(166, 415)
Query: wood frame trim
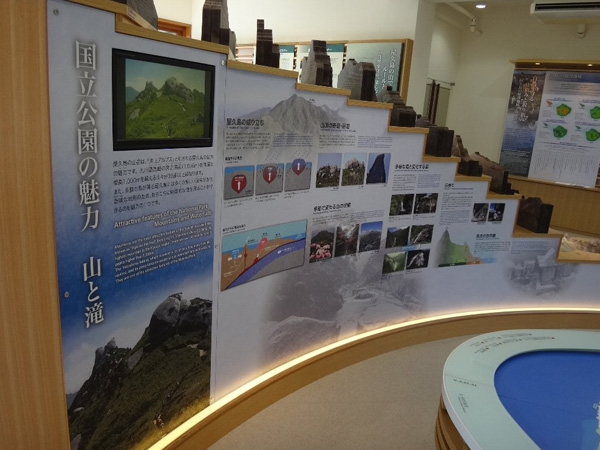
(322, 89)
(179, 28)
(393, 129)
(227, 413)
(32, 391)
(117, 8)
(557, 64)
(237, 65)
(133, 30)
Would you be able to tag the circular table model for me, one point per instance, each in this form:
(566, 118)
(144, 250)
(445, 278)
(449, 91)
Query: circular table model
(522, 390)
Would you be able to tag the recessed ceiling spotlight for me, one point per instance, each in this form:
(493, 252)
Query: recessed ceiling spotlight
(537, 64)
(590, 65)
(480, 5)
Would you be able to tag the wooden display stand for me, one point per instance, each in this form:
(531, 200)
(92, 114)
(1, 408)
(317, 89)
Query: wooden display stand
(575, 207)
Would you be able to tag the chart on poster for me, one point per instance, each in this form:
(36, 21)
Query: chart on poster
(552, 129)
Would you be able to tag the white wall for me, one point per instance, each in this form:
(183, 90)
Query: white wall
(326, 20)
(425, 21)
(178, 10)
(478, 101)
(445, 51)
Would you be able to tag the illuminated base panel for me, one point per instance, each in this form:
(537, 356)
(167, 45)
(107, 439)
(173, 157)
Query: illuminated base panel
(526, 389)
(469, 391)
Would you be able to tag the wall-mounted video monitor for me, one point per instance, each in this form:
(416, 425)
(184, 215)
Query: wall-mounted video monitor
(161, 102)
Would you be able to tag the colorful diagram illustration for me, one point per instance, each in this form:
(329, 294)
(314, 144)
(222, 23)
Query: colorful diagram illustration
(559, 132)
(258, 253)
(592, 135)
(563, 110)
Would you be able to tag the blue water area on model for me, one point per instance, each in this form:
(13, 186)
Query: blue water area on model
(553, 396)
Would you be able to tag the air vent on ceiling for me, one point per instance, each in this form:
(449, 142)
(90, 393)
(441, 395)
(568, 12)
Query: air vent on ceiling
(556, 11)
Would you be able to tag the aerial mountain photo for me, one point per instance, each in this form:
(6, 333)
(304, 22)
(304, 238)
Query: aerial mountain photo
(136, 395)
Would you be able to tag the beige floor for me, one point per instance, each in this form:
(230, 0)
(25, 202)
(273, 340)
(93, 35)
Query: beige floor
(386, 402)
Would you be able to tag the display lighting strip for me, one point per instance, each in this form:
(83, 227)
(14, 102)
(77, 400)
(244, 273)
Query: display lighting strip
(279, 372)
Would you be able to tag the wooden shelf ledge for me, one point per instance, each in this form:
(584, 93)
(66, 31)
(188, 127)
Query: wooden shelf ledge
(232, 64)
(322, 89)
(392, 129)
(367, 104)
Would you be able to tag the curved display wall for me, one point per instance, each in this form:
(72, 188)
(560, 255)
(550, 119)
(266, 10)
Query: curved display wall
(216, 220)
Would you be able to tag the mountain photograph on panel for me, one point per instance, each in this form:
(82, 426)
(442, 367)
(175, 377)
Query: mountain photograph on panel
(135, 395)
(294, 124)
(161, 102)
(165, 101)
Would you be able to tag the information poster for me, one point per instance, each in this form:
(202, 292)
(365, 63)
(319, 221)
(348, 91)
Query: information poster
(552, 127)
(521, 120)
(385, 56)
(286, 57)
(567, 145)
(135, 227)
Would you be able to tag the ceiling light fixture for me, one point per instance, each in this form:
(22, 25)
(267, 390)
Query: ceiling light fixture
(480, 5)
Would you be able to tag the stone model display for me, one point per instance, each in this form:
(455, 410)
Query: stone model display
(215, 24)
(144, 8)
(267, 53)
(402, 115)
(467, 166)
(359, 78)
(316, 67)
(476, 164)
(534, 214)
(499, 174)
(439, 139)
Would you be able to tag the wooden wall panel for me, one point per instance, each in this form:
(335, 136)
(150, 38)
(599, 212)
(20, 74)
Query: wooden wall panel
(575, 208)
(31, 393)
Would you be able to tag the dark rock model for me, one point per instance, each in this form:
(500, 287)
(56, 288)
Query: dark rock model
(402, 115)
(439, 139)
(477, 164)
(144, 8)
(316, 67)
(467, 166)
(534, 214)
(359, 78)
(215, 24)
(267, 53)
(499, 174)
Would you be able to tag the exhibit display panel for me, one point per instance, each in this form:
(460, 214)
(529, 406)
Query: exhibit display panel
(525, 389)
(552, 125)
(216, 220)
(135, 162)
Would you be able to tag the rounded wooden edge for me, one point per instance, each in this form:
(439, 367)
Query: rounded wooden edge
(485, 178)
(518, 178)
(368, 104)
(393, 129)
(435, 159)
(224, 415)
(322, 89)
(233, 64)
(495, 196)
